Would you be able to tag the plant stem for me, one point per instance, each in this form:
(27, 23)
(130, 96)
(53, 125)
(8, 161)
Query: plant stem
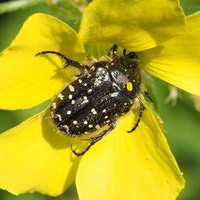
(18, 4)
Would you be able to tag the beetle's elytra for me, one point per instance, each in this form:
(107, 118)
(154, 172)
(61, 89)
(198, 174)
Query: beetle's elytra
(99, 96)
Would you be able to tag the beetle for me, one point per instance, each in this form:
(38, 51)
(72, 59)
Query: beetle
(101, 94)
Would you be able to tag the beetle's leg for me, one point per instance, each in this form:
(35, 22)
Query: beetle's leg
(95, 139)
(142, 108)
(67, 60)
(148, 96)
(113, 49)
(124, 52)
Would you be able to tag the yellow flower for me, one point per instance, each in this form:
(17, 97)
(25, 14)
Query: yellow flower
(138, 165)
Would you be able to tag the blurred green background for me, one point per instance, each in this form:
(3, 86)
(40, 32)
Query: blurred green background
(181, 121)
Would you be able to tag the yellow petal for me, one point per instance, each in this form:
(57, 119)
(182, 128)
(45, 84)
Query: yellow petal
(33, 157)
(27, 80)
(137, 165)
(132, 24)
(177, 60)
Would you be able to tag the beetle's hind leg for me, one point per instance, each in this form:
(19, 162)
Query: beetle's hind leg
(142, 108)
(67, 60)
(95, 139)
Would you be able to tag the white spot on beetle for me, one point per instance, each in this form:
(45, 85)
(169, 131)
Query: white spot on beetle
(54, 105)
(66, 128)
(97, 126)
(97, 82)
(80, 81)
(115, 94)
(94, 112)
(90, 125)
(73, 101)
(70, 96)
(85, 122)
(85, 100)
(71, 88)
(59, 117)
(90, 90)
(75, 122)
(104, 110)
(61, 96)
(69, 112)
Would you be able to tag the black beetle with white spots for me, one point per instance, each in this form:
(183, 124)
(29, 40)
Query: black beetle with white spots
(98, 97)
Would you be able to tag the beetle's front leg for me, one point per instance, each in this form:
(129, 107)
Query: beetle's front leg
(67, 60)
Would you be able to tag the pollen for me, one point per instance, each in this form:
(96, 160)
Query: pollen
(129, 86)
